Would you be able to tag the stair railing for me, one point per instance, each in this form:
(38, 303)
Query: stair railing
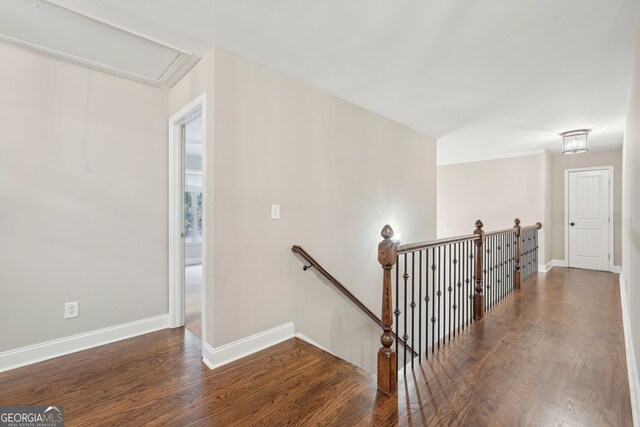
(443, 286)
(342, 289)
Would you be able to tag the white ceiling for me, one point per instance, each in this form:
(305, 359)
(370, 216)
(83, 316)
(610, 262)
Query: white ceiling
(487, 77)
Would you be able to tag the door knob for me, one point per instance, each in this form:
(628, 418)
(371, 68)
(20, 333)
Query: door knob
(572, 224)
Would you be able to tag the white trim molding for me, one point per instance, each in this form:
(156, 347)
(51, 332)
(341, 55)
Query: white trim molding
(562, 263)
(219, 356)
(634, 382)
(48, 350)
(611, 209)
(559, 263)
(485, 158)
(544, 268)
(314, 343)
(175, 253)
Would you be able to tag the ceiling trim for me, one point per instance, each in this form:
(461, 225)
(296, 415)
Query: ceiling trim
(492, 157)
(183, 62)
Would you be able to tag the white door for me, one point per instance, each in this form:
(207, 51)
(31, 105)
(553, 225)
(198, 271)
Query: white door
(589, 221)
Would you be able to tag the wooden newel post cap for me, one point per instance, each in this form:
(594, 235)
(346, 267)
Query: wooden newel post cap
(387, 249)
(387, 232)
(517, 222)
(479, 226)
(539, 225)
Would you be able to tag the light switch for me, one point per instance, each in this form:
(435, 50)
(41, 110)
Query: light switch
(275, 211)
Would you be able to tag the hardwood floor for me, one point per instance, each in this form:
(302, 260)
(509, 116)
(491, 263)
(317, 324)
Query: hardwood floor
(552, 354)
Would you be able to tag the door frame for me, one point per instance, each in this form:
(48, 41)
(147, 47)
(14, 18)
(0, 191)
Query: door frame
(566, 209)
(175, 254)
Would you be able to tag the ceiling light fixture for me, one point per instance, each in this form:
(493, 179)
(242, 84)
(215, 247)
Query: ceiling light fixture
(575, 141)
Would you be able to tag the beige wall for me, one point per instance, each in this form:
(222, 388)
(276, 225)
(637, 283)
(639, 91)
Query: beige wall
(83, 177)
(631, 217)
(332, 166)
(494, 191)
(592, 159)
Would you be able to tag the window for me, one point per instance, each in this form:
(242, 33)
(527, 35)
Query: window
(193, 207)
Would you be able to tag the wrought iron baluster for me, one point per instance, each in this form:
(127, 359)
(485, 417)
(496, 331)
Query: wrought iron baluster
(449, 289)
(405, 337)
(497, 269)
(433, 298)
(496, 284)
(457, 289)
(439, 294)
(534, 259)
(426, 304)
(503, 266)
(535, 250)
(485, 271)
(499, 265)
(413, 302)
(471, 283)
(396, 312)
(420, 307)
(513, 260)
(492, 279)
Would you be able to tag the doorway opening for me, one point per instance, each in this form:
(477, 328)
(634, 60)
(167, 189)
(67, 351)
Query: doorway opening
(193, 222)
(589, 218)
(187, 213)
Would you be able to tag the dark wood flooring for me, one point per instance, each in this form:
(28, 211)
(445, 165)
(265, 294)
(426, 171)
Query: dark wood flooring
(552, 354)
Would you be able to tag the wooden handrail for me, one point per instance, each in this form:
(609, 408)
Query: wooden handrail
(537, 225)
(410, 247)
(497, 232)
(315, 264)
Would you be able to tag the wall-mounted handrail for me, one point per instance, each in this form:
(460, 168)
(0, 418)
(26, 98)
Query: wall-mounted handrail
(315, 264)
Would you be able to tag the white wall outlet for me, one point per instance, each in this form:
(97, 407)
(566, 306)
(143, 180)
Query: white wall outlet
(275, 211)
(71, 310)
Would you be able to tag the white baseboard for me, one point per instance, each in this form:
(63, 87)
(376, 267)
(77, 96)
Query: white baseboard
(312, 342)
(559, 263)
(563, 263)
(219, 356)
(632, 372)
(48, 350)
(544, 268)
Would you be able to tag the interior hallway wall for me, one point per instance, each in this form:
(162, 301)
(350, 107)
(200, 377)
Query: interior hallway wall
(631, 228)
(83, 211)
(339, 173)
(494, 191)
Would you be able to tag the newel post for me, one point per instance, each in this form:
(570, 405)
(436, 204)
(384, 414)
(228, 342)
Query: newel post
(387, 375)
(478, 298)
(516, 276)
